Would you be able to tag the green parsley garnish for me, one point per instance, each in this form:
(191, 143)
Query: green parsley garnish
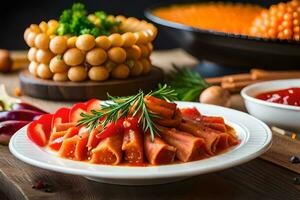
(75, 21)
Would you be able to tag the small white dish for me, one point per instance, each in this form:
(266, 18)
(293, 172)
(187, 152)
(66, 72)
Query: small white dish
(284, 116)
(255, 137)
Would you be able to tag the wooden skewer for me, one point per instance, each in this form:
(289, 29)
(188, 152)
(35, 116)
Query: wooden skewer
(237, 77)
(272, 75)
(214, 80)
(237, 86)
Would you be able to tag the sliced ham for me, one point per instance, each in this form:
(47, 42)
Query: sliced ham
(188, 146)
(157, 151)
(108, 151)
(210, 136)
(172, 123)
(133, 146)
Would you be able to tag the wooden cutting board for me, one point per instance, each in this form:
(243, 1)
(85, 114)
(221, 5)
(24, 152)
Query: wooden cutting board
(81, 91)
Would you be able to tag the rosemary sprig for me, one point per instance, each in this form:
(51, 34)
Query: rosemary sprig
(120, 107)
(187, 83)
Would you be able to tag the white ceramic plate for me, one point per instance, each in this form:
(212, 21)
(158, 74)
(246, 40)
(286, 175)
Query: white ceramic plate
(255, 139)
(283, 116)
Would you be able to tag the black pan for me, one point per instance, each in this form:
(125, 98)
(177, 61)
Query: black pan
(230, 49)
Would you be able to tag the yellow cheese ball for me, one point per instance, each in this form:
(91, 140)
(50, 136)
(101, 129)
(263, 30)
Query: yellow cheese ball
(133, 52)
(142, 37)
(96, 56)
(60, 76)
(71, 42)
(109, 65)
(98, 73)
(43, 26)
(77, 73)
(73, 57)
(116, 40)
(137, 68)
(41, 41)
(31, 55)
(44, 72)
(145, 51)
(32, 68)
(58, 44)
(120, 72)
(44, 56)
(117, 54)
(35, 28)
(103, 42)
(146, 66)
(30, 39)
(57, 65)
(26, 32)
(129, 39)
(85, 42)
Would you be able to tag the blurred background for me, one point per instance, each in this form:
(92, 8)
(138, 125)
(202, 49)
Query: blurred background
(16, 16)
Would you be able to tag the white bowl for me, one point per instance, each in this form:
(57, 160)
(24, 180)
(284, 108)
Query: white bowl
(284, 116)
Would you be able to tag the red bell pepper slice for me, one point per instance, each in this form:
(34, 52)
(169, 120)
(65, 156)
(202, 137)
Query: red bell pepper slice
(131, 123)
(60, 116)
(76, 110)
(93, 104)
(39, 130)
(111, 129)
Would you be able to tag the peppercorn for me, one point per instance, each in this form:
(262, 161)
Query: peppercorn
(39, 185)
(295, 160)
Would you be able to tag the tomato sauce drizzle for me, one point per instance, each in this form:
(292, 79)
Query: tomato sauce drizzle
(290, 96)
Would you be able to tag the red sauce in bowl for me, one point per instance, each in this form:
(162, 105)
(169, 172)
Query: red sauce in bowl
(290, 96)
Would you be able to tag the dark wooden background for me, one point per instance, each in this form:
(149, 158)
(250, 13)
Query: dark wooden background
(15, 16)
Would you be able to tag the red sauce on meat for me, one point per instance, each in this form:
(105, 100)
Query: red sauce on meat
(290, 96)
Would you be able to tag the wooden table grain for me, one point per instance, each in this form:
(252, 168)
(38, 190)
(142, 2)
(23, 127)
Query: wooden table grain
(257, 179)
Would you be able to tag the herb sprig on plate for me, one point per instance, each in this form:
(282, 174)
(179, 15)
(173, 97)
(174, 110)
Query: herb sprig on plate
(134, 105)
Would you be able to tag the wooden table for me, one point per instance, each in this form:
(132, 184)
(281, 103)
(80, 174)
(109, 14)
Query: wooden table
(257, 179)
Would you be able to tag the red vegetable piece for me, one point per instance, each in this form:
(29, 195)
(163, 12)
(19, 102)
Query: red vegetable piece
(61, 116)
(46, 121)
(131, 123)
(68, 146)
(93, 140)
(63, 126)
(191, 113)
(81, 150)
(212, 119)
(93, 104)
(76, 111)
(39, 131)
(56, 140)
(111, 129)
